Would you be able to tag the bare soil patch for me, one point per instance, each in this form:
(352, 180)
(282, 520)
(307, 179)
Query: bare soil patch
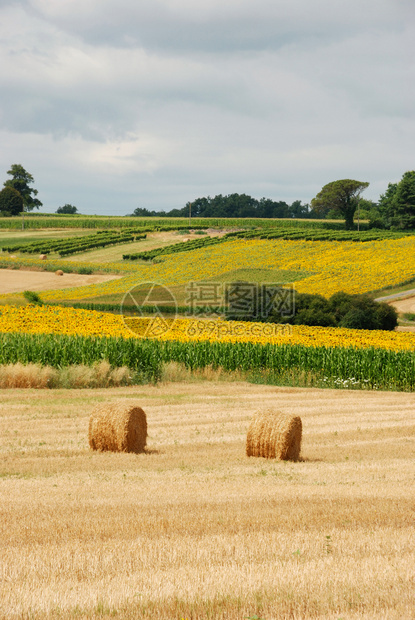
(16, 280)
(404, 305)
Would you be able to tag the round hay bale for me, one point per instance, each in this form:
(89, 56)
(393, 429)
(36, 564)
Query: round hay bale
(274, 435)
(59, 272)
(43, 257)
(118, 427)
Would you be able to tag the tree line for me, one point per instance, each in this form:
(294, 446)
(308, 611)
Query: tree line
(235, 206)
(342, 199)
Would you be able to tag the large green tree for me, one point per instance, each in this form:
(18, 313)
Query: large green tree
(342, 196)
(397, 204)
(20, 181)
(11, 202)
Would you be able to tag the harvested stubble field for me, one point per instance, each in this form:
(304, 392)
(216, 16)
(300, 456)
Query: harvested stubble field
(195, 529)
(15, 281)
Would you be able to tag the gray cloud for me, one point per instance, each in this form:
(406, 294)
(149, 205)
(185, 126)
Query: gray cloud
(215, 26)
(156, 102)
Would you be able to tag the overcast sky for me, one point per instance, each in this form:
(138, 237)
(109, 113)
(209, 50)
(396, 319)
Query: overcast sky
(118, 104)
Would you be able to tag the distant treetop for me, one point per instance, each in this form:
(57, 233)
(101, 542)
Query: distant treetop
(69, 209)
(234, 205)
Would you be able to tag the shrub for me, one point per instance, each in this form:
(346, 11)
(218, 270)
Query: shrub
(365, 313)
(32, 298)
(357, 318)
(341, 310)
(315, 317)
(313, 310)
(387, 315)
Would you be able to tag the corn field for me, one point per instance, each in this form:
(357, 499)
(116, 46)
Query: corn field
(41, 220)
(339, 367)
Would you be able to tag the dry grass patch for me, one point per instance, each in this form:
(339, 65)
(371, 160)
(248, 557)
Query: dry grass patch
(177, 372)
(27, 376)
(36, 376)
(195, 528)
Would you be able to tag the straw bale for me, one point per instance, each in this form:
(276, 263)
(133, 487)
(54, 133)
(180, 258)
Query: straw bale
(43, 257)
(119, 427)
(59, 272)
(274, 435)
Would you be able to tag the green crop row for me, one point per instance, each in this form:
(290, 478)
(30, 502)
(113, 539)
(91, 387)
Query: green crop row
(66, 247)
(299, 235)
(117, 308)
(371, 368)
(184, 246)
(321, 235)
(102, 243)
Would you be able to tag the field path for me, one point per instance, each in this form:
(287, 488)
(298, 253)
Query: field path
(404, 295)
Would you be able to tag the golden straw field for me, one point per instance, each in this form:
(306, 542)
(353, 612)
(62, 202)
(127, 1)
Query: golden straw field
(194, 528)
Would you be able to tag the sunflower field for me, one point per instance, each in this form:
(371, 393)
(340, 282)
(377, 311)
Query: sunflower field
(324, 267)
